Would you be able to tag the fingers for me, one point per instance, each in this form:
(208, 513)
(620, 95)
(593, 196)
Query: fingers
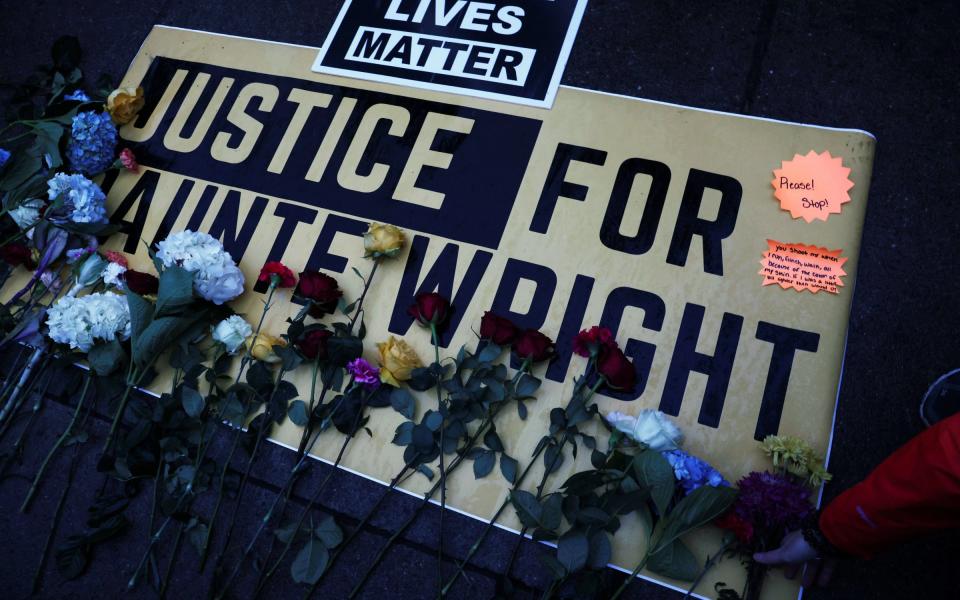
(810, 573)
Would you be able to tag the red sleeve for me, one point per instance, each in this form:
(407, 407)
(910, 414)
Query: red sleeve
(916, 490)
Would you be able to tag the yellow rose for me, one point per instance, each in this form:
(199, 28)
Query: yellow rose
(261, 347)
(397, 360)
(123, 104)
(383, 240)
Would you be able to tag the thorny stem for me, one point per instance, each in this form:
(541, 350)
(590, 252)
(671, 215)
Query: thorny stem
(443, 472)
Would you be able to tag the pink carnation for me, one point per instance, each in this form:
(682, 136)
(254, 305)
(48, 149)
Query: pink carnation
(129, 161)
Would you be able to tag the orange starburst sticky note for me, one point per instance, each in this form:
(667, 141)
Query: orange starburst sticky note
(813, 186)
(802, 267)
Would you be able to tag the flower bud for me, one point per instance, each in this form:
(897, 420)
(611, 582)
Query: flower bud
(383, 240)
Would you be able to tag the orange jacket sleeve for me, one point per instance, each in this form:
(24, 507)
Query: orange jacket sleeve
(916, 490)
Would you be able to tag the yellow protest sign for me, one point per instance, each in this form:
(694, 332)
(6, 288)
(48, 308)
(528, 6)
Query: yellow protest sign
(645, 217)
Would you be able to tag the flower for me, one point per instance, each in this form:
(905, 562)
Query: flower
(397, 361)
(141, 283)
(84, 201)
(533, 346)
(232, 332)
(90, 270)
(261, 347)
(693, 472)
(650, 427)
(16, 254)
(81, 322)
(616, 369)
(322, 292)
(27, 213)
(50, 281)
(113, 275)
(92, 140)
(430, 309)
(383, 240)
(795, 456)
(772, 503)
(216, 277)
(4, 157)
(284, 276)
(117, 257)
(364, 373)
(129, 161)
(77, 96)
(589, 341)
(740, 527)
(77, 254)
(123, 104)
(497, 329)
(313, 344)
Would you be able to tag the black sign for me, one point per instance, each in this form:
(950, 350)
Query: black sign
(512, 50)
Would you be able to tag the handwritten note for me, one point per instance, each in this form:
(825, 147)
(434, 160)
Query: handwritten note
(813, 186)
(802, 267)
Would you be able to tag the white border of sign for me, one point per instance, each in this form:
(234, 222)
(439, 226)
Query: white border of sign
(547, 102)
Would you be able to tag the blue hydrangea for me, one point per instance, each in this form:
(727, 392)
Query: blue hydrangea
(84, 201)
(77, 96)
(93, 139)
(4, 157)
(692, 472)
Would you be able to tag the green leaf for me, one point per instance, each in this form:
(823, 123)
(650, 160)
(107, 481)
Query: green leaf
(48, 140)
(483, 464)
(528, 509)
(527, 386)
(573, 550)
(342, 350)
(601, 551)
(402, 401)
(675, 561)
(286, 532)
(193, 401)
(490, 352)
(298, 412)
(105, 358)
(654, 472)
(157, 337)
(176, 291)
(492, 441)
(508, 467)
(698, 508)
(310, 562)
(403, 436)
(552, 514)
(433, 420)
(329, 533)
(141, 314)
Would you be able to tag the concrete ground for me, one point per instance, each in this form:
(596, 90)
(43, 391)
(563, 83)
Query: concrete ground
(886, 66)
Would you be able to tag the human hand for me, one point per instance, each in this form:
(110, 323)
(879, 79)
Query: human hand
(795, 553)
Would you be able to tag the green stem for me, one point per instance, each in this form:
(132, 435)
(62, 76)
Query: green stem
(443, 473)
(38, 574)
(63, 437)
(216, 506)
(634, 573)
(173, 560)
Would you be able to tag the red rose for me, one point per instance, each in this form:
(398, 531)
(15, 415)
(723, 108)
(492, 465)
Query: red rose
(285, 276)
(533, 346)
(740, 527)
(16, 254)
(322, 292)
(589, 341)
(313, 344)
(429, 309)
(141, 283)
(616, 368)
(497, 329)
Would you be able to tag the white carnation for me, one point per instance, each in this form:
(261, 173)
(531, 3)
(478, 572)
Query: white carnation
(216, 277)
(27, 213)
(232, 332)
(81, 322)
(113, 275)
(650, 427)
